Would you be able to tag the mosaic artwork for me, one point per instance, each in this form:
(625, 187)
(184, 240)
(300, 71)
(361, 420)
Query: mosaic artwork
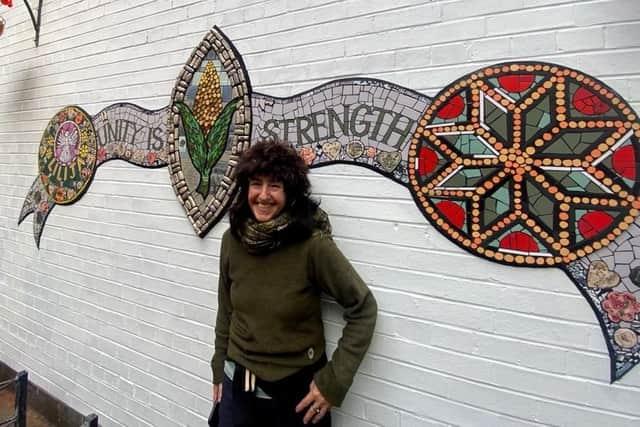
(211, 124)
(130, 133)
(525, 164)
(74, 144)
(365, 121)
(535, 164)
(67, 155)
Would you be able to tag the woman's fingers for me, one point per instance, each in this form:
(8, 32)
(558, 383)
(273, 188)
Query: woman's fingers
(217, 392)
(317, 406)
(315, 413)
(306, 401)
(319, 415)
(309, 415)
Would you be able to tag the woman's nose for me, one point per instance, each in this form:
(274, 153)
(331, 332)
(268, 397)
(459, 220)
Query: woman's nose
(264, 192)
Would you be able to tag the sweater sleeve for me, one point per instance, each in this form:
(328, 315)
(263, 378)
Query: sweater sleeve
(335, 275)
(223, 318)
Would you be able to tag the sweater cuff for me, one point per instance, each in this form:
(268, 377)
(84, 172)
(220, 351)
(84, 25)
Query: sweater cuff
(217, 367)
(329, 386)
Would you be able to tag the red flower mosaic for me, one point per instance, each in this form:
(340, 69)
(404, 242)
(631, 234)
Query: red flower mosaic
(592, 223)
(428, 160)
(621, 306)
(452, 109)
(624, 162)
(519, 241)
(516, 83)
(453, 212)
(101, 155)
(151, 157)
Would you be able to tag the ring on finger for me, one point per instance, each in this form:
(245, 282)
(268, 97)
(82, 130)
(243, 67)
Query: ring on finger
(317, 410)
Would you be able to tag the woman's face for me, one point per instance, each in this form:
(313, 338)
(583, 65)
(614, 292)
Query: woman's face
(266, 197)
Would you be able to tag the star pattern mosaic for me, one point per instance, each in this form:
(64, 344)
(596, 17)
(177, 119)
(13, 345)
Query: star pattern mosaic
(536, 164)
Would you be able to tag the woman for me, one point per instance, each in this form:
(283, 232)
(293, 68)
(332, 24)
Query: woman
(269, 366)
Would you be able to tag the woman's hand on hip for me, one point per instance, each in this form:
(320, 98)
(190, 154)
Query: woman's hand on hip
(315, 404)
(217, 392)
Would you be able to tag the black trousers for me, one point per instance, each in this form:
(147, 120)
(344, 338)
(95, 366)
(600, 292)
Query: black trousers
(241, 409)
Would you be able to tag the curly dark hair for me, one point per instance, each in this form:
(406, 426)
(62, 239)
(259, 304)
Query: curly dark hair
(281, 162)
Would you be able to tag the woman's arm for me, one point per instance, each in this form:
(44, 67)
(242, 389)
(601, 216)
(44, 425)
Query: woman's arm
(224, 315)
(337, 277)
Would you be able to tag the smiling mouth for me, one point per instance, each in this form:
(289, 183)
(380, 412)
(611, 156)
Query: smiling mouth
(264, 210)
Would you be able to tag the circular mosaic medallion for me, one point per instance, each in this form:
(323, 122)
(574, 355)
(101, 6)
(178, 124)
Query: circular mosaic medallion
(67, 154)
(527, 163)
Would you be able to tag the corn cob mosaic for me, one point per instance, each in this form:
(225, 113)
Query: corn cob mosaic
(211, 124)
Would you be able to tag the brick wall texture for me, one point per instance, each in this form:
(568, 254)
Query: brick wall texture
(114, 314)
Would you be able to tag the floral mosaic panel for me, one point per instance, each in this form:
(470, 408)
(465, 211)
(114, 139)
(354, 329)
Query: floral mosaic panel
(610, 280)
(67, 155)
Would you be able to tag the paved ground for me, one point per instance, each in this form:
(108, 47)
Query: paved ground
(7, 402)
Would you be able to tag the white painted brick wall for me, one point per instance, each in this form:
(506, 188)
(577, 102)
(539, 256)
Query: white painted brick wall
(115, 313)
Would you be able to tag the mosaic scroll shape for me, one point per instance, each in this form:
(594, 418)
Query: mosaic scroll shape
(74, 145)
(610, 281)
(360, 121)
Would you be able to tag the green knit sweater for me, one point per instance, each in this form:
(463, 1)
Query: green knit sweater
(269, 317)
